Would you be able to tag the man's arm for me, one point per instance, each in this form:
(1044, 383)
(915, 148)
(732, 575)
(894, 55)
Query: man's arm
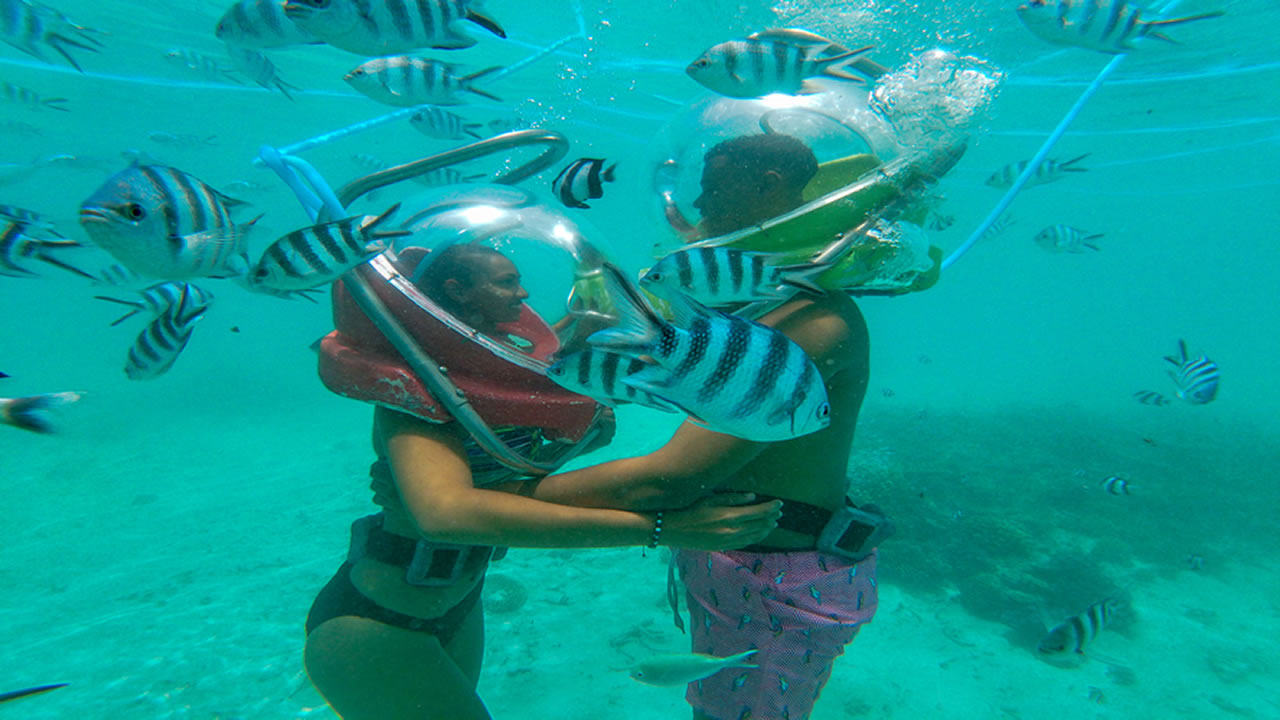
(696, 461)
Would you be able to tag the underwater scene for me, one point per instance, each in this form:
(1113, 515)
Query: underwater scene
(631, 247)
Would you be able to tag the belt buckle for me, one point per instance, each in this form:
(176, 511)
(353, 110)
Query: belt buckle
(436, 564)
(853, 533)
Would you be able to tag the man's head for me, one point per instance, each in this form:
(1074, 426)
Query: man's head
(752, 178)
(478, 284)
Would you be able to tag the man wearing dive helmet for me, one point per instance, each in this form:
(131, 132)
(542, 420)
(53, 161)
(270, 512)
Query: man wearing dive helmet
(800, 594)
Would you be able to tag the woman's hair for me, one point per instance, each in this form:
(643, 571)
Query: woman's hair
(756, 155)
(457, 262)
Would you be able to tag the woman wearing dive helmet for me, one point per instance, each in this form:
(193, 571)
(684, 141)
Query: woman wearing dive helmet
(399, 631)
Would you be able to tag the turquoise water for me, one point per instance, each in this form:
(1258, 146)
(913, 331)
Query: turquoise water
(161, 551)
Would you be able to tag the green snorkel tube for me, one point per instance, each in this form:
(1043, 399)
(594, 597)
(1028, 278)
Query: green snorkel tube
(321, 203)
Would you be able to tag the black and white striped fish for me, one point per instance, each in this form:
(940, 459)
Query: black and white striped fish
(582, 180)
(25, 413)
(1049, 171)
(159, 298)
(1115, 485)
(164, 223)
(409, 81)
(390, 27)
(773, 61)
(17, 245)
(599, 374)
(18, 95)
(723, 275)
(1151, 397)
(728, 373)
(258, 68)
(32, 26)
(160, 343)
(1108, 26)
(319, 254)
(441, 124)
(1064, 238)
(37, 225)
(1196, 378)
(207, 67)
(1070, 638)
(258, 24)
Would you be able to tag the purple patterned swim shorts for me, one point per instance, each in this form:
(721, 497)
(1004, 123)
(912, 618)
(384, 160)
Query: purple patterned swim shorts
(798, 609)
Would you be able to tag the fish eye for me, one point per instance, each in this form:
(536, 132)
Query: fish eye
(134, 211)
(824, 411)
(261, 273)
(654, 277)
(701, 63)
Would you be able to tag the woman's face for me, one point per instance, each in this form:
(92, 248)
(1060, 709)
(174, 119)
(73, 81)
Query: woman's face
(496, 296)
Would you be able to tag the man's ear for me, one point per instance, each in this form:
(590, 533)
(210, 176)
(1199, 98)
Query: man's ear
(770, 181)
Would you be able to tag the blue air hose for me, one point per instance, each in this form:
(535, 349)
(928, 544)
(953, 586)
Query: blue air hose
(1039, 157)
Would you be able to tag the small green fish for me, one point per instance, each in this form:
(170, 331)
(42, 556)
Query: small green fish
(684, 668)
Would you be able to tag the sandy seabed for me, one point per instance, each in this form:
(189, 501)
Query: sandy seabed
(171, 580)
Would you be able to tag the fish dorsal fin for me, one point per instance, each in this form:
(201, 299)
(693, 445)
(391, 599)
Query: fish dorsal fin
(795, 36)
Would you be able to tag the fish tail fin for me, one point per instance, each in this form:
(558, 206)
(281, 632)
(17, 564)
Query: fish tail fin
(1091, 246)
(65, 266)
(371, 232)
(58, 42)
(24, 412)
(638, 325)
(607, 175)
(804, 276)
(467, 81)
(1185, 19)
(137, 307)
(1182, 354)
(834, 66)
(1066, 166)
(475, 15)
(470, 129)
(740, 660)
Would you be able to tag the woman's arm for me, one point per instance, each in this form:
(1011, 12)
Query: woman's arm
(430, 469)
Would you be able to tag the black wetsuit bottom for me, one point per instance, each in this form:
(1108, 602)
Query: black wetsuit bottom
(340, 598)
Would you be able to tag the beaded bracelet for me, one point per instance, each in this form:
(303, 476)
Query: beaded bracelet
(657, 530)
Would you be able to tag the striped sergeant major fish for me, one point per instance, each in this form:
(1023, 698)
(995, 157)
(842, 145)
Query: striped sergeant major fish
(164, 223)
(32, 26)
(1049, 171)
(390, 27)
(1108, 26)
(258, 24)
(441, 124)
(159, 298)
(1115, 485)
(160, 343)
(1196, 378)
(1151, 397)
(1064, 238)
(409, 81)
(26, 413)
(727, 373)
(723, 275)
(16, 245)
(600, 375)
(773, 61)
(582, 180)
(258, 68)
(201, 65)
(1069, 639)
(18, 95)
(319, 254)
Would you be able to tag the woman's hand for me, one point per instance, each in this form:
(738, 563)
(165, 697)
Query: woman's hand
(720, 522)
